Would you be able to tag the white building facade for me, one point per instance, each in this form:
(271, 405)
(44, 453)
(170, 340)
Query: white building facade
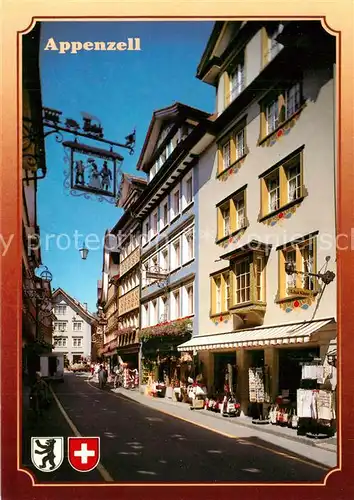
(72, 328)
(267, 197)
(167, 210)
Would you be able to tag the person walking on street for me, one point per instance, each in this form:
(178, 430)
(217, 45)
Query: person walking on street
(102, 377)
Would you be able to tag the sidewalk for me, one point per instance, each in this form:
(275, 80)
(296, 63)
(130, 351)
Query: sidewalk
(321, 450)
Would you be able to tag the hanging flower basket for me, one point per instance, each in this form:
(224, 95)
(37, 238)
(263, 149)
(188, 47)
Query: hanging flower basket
(177, 328)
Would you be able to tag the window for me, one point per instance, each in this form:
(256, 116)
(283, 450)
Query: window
(164, 259)
(292, 100)
(176, 254)
(61, 326)
(259, 269)
(175, 195)
(303, 254)
(61, 310)
(153, 312)
(145, 315)
(271, 47)
(226, 155)
(272, 116)
(61, 342)
(154, 224)
(189, 309)
(283, 185)
(231, 214)
(163, 215)
(163, 309)
(188, 244)
(152, 172)
(233, 148)
(273, 193)
(293, 174)
(240, 144)
(77, 341)
(307, 258)
(234, 80)
(242, 281)
(237, 80)
(145, 236)
(176, 300)
(226, 277)
(77, 326)
(239, 203)
(218, 294)
(281, 106)
(187, 190)
(290, 256)
(241, 285)
(225, 214)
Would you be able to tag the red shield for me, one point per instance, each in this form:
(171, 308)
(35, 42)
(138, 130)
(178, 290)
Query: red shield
(83, 453)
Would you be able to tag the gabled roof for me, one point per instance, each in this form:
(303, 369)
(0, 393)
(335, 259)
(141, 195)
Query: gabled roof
(171, 113)
(75, 304)
(129, 184)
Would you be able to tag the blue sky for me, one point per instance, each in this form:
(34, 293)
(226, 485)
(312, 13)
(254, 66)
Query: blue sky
(122, 89)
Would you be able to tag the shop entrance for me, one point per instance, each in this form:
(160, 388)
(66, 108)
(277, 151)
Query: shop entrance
(224, 366)
(290, 368)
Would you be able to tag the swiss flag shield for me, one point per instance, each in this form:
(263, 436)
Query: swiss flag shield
(83, 453)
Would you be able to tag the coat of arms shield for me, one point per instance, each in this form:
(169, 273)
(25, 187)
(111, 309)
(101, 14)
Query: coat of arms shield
(47, 453)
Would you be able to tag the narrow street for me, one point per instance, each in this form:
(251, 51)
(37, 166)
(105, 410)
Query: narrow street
(140, 444)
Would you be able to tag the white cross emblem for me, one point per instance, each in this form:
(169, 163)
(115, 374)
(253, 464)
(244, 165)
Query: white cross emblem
(84, 453)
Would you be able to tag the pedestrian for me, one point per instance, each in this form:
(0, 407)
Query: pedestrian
(97, 369)
(39, 394)
(102, 377)
(115, 376)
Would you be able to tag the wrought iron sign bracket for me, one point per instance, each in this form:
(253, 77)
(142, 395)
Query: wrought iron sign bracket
(33, 154)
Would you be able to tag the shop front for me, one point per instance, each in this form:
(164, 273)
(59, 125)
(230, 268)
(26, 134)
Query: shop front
(163, 366)
(109, 354)
(266, 367)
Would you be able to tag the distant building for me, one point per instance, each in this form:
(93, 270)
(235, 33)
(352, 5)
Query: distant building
(72, 328)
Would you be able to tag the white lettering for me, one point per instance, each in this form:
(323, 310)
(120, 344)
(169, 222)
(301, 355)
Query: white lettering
(51, 45)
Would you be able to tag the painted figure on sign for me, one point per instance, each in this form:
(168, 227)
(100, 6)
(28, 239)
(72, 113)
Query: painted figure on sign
(95, 176)
(48, 449)
(80, 170)
(106, 175)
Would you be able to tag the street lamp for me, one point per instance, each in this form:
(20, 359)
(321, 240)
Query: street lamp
(84, 252)
(326, 277)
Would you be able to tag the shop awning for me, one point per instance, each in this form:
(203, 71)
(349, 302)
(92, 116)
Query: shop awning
(291, 333)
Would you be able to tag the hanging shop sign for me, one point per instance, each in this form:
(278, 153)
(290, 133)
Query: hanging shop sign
(92, 170)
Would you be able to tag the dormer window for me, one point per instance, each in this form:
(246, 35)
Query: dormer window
(234, 80)
(270, 46)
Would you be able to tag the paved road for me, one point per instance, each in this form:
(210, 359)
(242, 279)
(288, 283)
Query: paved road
(141, 444)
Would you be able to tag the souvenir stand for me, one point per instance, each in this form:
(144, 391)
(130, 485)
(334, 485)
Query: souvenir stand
(316, 399)
(283, 412)
(258, 380)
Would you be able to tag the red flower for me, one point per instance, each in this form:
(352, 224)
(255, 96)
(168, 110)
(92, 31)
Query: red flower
(221, 318)
(296, 303)
(280, 132)
(281, 215)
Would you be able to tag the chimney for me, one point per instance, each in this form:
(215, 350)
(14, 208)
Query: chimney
(85, 305)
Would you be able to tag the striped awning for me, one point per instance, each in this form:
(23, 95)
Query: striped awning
(291, 333)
